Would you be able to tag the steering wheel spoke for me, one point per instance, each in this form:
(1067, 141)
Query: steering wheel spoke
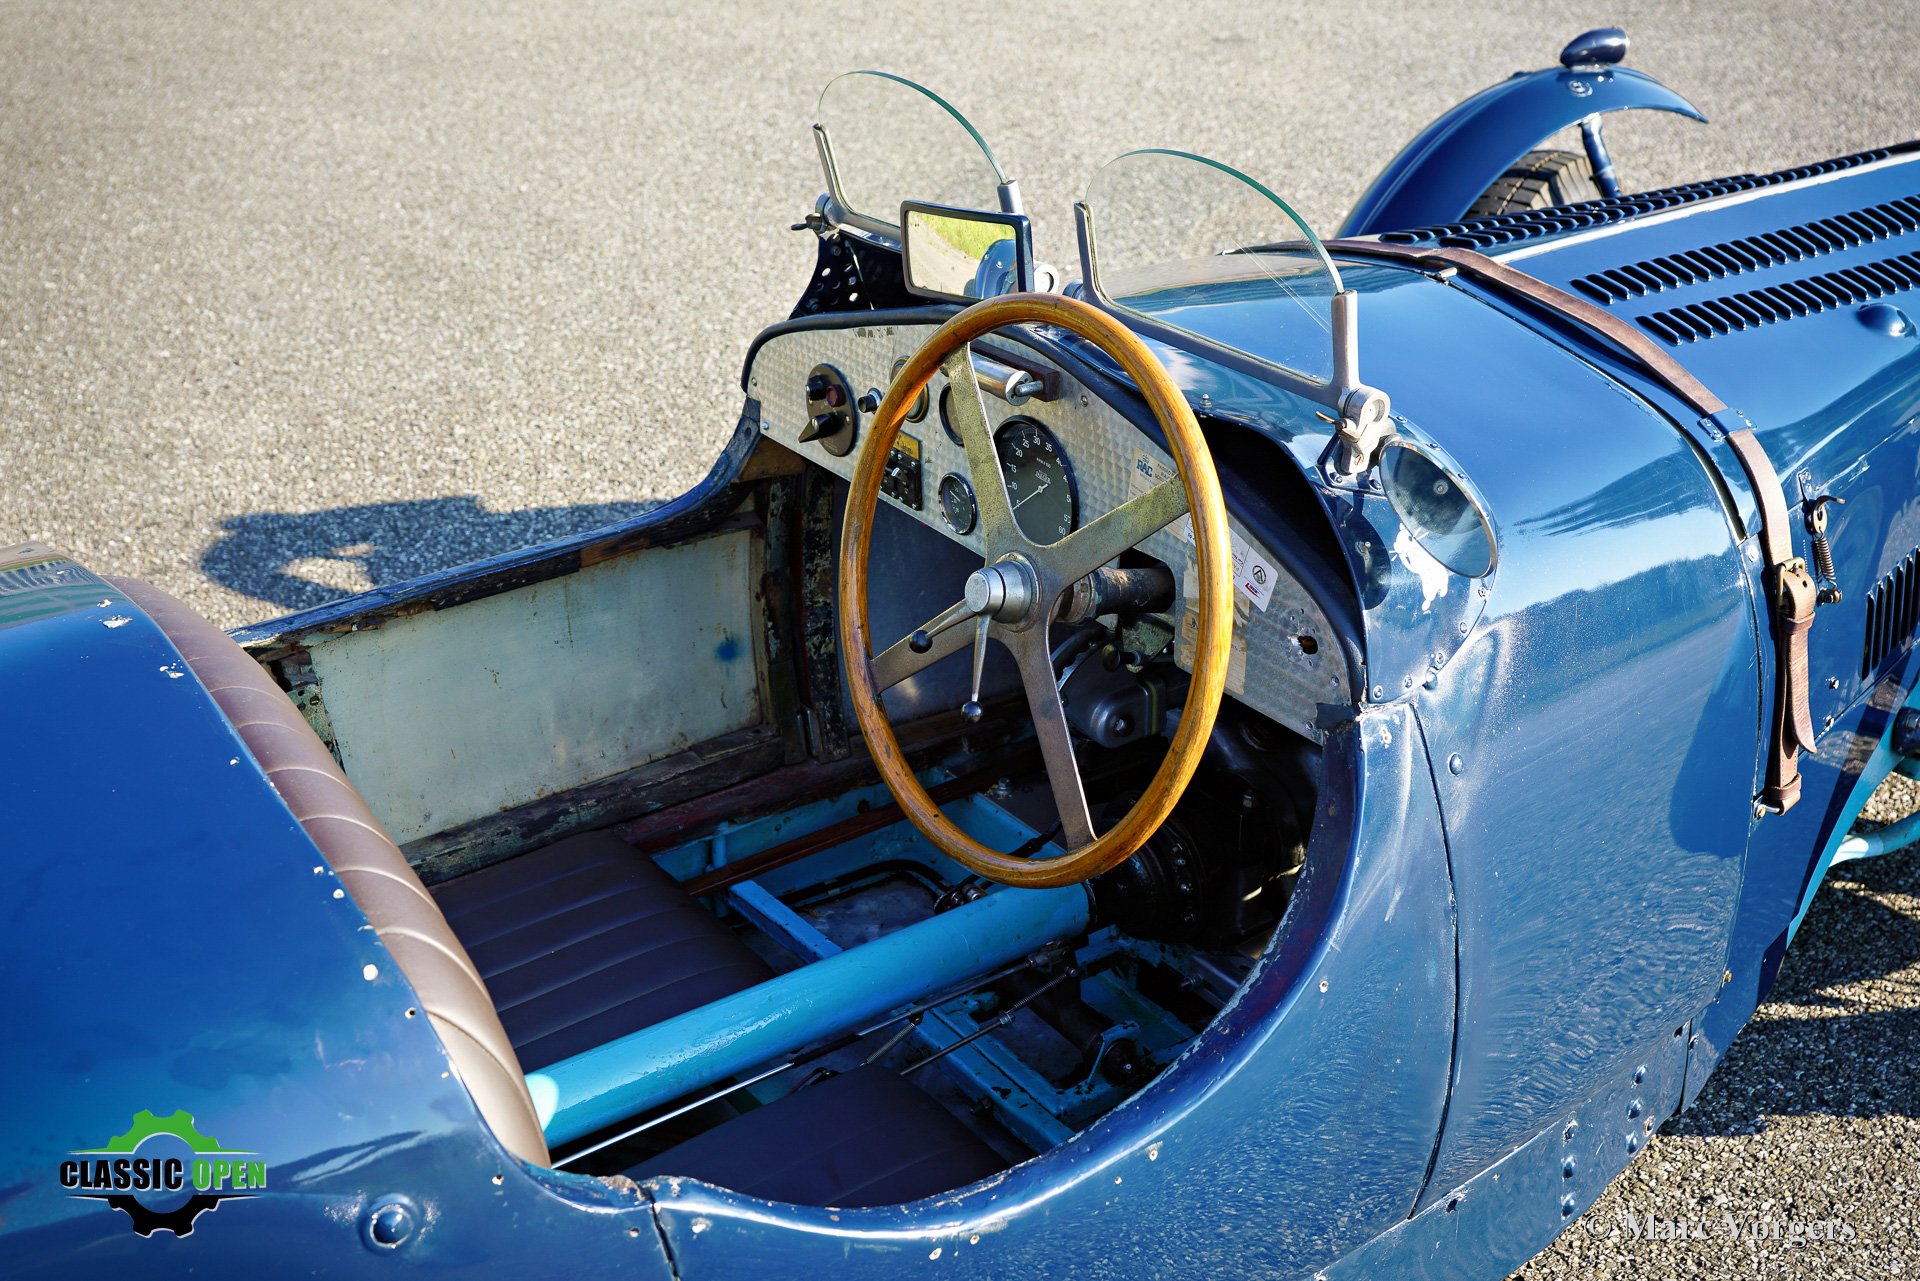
(1035, 659)
(944, 636)
(968, 412)
(1128, 525)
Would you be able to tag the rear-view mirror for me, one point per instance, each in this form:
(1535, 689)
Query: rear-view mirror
(963, 255)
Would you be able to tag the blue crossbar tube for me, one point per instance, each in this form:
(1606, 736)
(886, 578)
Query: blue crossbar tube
(817, 1002)
(1893, 837)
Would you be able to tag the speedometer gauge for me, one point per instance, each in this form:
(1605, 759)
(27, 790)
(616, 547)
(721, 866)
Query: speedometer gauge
(1039, 482)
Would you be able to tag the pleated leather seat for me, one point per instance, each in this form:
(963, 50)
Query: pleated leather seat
(587, 940)
(866, 1137)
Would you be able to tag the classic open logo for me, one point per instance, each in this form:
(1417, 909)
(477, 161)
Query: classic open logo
(163, 1172)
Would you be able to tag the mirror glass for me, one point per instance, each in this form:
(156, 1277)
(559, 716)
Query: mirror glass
(1196, 245)
(1437, 510)
(894, 141)
(962, 255)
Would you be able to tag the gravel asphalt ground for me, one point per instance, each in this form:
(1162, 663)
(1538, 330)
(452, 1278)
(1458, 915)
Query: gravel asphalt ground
(294, 299)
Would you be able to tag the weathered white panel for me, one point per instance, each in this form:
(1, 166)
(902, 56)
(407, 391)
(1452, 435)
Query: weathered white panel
(454, 715)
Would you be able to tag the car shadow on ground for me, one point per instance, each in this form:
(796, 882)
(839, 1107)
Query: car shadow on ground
(1835, 1036)
(297, 560)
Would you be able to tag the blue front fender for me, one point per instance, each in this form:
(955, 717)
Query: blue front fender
(1439, 175)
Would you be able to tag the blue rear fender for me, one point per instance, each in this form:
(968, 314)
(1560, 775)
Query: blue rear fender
(1437, 177)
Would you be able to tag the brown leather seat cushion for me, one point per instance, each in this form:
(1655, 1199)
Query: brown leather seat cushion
(587, 940)
(865, 1137)
(369, 865)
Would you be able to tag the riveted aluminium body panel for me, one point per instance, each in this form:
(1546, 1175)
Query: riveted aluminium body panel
(174, 941)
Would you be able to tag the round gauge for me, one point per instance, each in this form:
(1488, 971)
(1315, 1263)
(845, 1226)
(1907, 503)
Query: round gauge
(946, 416)
(1039, 482)
(956, 503)
(919, 409)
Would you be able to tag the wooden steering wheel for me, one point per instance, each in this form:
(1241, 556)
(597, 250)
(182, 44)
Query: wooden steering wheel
(1013, 597)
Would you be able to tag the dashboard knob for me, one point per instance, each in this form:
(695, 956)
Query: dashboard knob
(832, 421)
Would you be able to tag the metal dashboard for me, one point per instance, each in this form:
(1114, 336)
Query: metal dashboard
(1285, 656)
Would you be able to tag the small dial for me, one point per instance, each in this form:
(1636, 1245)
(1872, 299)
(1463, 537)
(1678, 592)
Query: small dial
(1039, 482)
(946, 416)
(957, 505)
(919, 409)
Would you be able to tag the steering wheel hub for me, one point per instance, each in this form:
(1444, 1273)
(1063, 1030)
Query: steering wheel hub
(1005, 591)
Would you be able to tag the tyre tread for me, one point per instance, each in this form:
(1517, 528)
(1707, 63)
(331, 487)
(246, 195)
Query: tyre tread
(1538, 180)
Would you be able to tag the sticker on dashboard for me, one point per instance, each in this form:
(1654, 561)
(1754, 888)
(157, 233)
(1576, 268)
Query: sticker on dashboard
(1253, 574)
(1189, 633)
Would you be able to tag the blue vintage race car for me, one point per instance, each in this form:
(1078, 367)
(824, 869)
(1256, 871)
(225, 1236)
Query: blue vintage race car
(1247, 754)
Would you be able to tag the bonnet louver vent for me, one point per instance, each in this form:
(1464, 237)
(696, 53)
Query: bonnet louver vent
(1753, 253)
(1786, 301)
(1893, 611)
(1506, 229)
